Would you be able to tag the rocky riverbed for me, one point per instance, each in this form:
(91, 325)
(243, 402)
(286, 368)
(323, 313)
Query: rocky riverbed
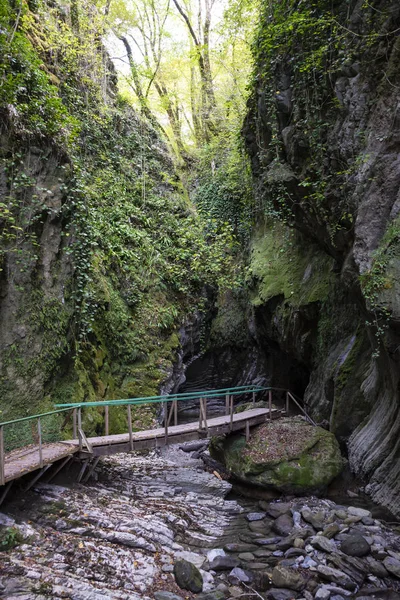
(160, 527)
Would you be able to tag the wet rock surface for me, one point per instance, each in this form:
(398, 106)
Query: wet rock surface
(160, 527)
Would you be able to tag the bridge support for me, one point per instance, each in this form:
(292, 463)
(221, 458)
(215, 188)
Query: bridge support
(5, 492)
(92, 468)
(82, 471)
(59, 468)
(36, 478)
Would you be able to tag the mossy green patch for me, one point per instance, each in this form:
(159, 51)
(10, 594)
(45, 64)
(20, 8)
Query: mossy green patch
(9, 538)
(229, 327)
(280, 265)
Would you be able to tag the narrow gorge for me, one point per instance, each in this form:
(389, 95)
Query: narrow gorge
(197, 196)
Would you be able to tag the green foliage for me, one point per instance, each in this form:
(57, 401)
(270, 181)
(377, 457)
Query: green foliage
(158, 251)
(378, 280)
(223, 186)
(300, 51)
(9, 538)
(33, 100)
(135, 254)
(229, 327)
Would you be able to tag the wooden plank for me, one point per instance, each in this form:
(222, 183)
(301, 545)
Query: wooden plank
(25, 460)
(187, 427)
(39, 431)
(171, 412)
(80, 426)
(247, 431)
(74, 425)
(130, 427)
(5, 492)
(82, 471)
(92, 468)
(201, 415)
(166, 423)
(107, 420)
(176, 436)
(83, 438)
(307, 416)
(2, 457)
(36, 478)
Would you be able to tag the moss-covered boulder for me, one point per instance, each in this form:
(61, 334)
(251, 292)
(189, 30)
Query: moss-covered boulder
(287, 455)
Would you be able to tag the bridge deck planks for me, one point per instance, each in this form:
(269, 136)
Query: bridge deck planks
(25, 460)
(177, 430)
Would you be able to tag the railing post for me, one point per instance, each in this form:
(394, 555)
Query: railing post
(254, 397)
(166, 423)
(39, 431)
(270, 404)
(175, 412)
(74, 425)
(247, 431)
(287, 403)
(130, 427)
(227, 404)
(203, 408)
(201, 414)
(2, 458)
(106, 420)
(80, 427)
(231, 411)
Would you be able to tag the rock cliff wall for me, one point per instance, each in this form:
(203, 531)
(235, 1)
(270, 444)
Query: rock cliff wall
(323, 135)
(102, 257)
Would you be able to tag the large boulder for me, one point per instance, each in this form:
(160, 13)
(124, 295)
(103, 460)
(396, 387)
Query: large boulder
(355, 545)
(287, 455)
(188, 576)
(283, 577)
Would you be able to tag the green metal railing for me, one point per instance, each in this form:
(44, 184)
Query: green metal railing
(234, 391)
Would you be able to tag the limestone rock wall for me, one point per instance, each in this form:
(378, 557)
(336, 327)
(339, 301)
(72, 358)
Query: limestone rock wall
(324, 141)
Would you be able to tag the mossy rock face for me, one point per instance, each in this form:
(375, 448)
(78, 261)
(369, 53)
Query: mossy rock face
(287, 455)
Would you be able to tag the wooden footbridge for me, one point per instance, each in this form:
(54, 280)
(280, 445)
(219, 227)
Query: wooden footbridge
(35, 444)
